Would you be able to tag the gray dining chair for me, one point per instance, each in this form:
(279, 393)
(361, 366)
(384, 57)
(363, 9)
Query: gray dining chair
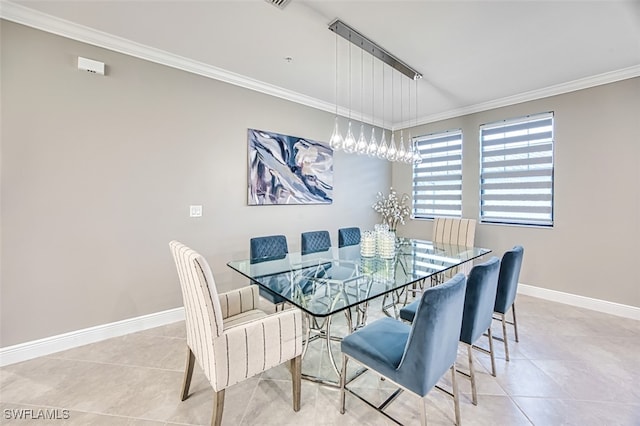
(348, 236)
(506, 294)
(478, 313)
(264, 249)
(413, 357)
(315, 241)
(229, 338)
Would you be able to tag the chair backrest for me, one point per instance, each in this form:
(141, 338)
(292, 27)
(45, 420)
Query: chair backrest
(315, 241)
(262, 249)
(451, 230)
(203, 315)
(432, 346)
(479, 299)
(348, 236)
(508, 279)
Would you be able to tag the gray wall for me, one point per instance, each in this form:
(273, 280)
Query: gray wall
(97, 175)
(592, 249)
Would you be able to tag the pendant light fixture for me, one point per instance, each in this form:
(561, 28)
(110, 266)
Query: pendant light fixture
(361, 145)
(401, 150)
(372, 147)
(406, 152)
(336, 140)
(417, 158)
(408, 156)
(393, 150)
(349, 140)
(383, 148)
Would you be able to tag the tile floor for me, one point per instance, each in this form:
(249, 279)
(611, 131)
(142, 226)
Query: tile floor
(572, 367)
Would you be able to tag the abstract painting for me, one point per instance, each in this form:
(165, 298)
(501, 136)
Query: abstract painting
(288, 169)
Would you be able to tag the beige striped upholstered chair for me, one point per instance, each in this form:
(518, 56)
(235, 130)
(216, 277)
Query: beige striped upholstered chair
(458, 231)
(228, 336)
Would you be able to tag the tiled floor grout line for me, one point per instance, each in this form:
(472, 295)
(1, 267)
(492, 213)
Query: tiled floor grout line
(253, 393)
(515, 403)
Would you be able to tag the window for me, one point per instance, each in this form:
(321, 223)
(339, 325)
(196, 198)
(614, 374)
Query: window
(437, 180)
(516, 176)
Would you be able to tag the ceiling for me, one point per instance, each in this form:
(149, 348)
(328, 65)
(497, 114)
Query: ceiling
(474, 55)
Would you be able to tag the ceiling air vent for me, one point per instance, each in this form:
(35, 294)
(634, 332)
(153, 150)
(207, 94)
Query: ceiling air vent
(280, 4)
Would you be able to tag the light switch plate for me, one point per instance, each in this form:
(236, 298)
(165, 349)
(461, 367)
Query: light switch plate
(195, 211)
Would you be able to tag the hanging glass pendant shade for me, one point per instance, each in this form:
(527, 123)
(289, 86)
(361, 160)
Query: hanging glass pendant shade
(383, 148)
(408, 156)
(401, 150)
(336, 140)
(349, 141)
(392, 152)
(361, 145)
(417, 158)
(372, 147)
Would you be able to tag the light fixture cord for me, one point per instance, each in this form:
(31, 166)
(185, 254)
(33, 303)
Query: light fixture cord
(392, 102)
(350, 77)
(336, 74)
(361, 84)
(416, 107)
(415, 124)
(373, 93)
(401, 101)
(384, 110)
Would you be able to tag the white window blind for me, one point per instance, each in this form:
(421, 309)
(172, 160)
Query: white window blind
(437, 180)
(516, 178)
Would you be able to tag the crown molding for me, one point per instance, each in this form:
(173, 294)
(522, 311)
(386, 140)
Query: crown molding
(558, 89)
(42, 21)
(51, 24)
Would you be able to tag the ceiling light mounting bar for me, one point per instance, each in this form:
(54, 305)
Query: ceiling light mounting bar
(348, 33)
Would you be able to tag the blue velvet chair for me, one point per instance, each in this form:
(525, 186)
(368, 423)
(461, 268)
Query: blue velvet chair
(479, 300)
(263, 249)
(315, 241)
(272, 247)
(348, 236)
(414, 357)
(507, 289)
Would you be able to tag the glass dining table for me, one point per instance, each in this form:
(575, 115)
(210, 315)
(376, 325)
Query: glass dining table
(342, 280)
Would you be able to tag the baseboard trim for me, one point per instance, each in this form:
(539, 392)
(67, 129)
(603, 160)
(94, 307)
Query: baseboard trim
(48, 345)
(599, 305)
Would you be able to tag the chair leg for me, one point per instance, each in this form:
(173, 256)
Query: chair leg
(472, 376)
(218, 406)
(188, 373)
(515, 323)
(296, 379)
(491, 353)
(423, 411)
(456, 399)
(343, 383)
(504, 336)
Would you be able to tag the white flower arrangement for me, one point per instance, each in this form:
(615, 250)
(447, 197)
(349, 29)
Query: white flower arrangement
(393, 209)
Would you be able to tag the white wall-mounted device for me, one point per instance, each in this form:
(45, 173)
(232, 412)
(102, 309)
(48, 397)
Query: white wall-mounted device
(195, 211)
(90, 65)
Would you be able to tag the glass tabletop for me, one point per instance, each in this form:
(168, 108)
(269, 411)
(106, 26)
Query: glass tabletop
(324, 283)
